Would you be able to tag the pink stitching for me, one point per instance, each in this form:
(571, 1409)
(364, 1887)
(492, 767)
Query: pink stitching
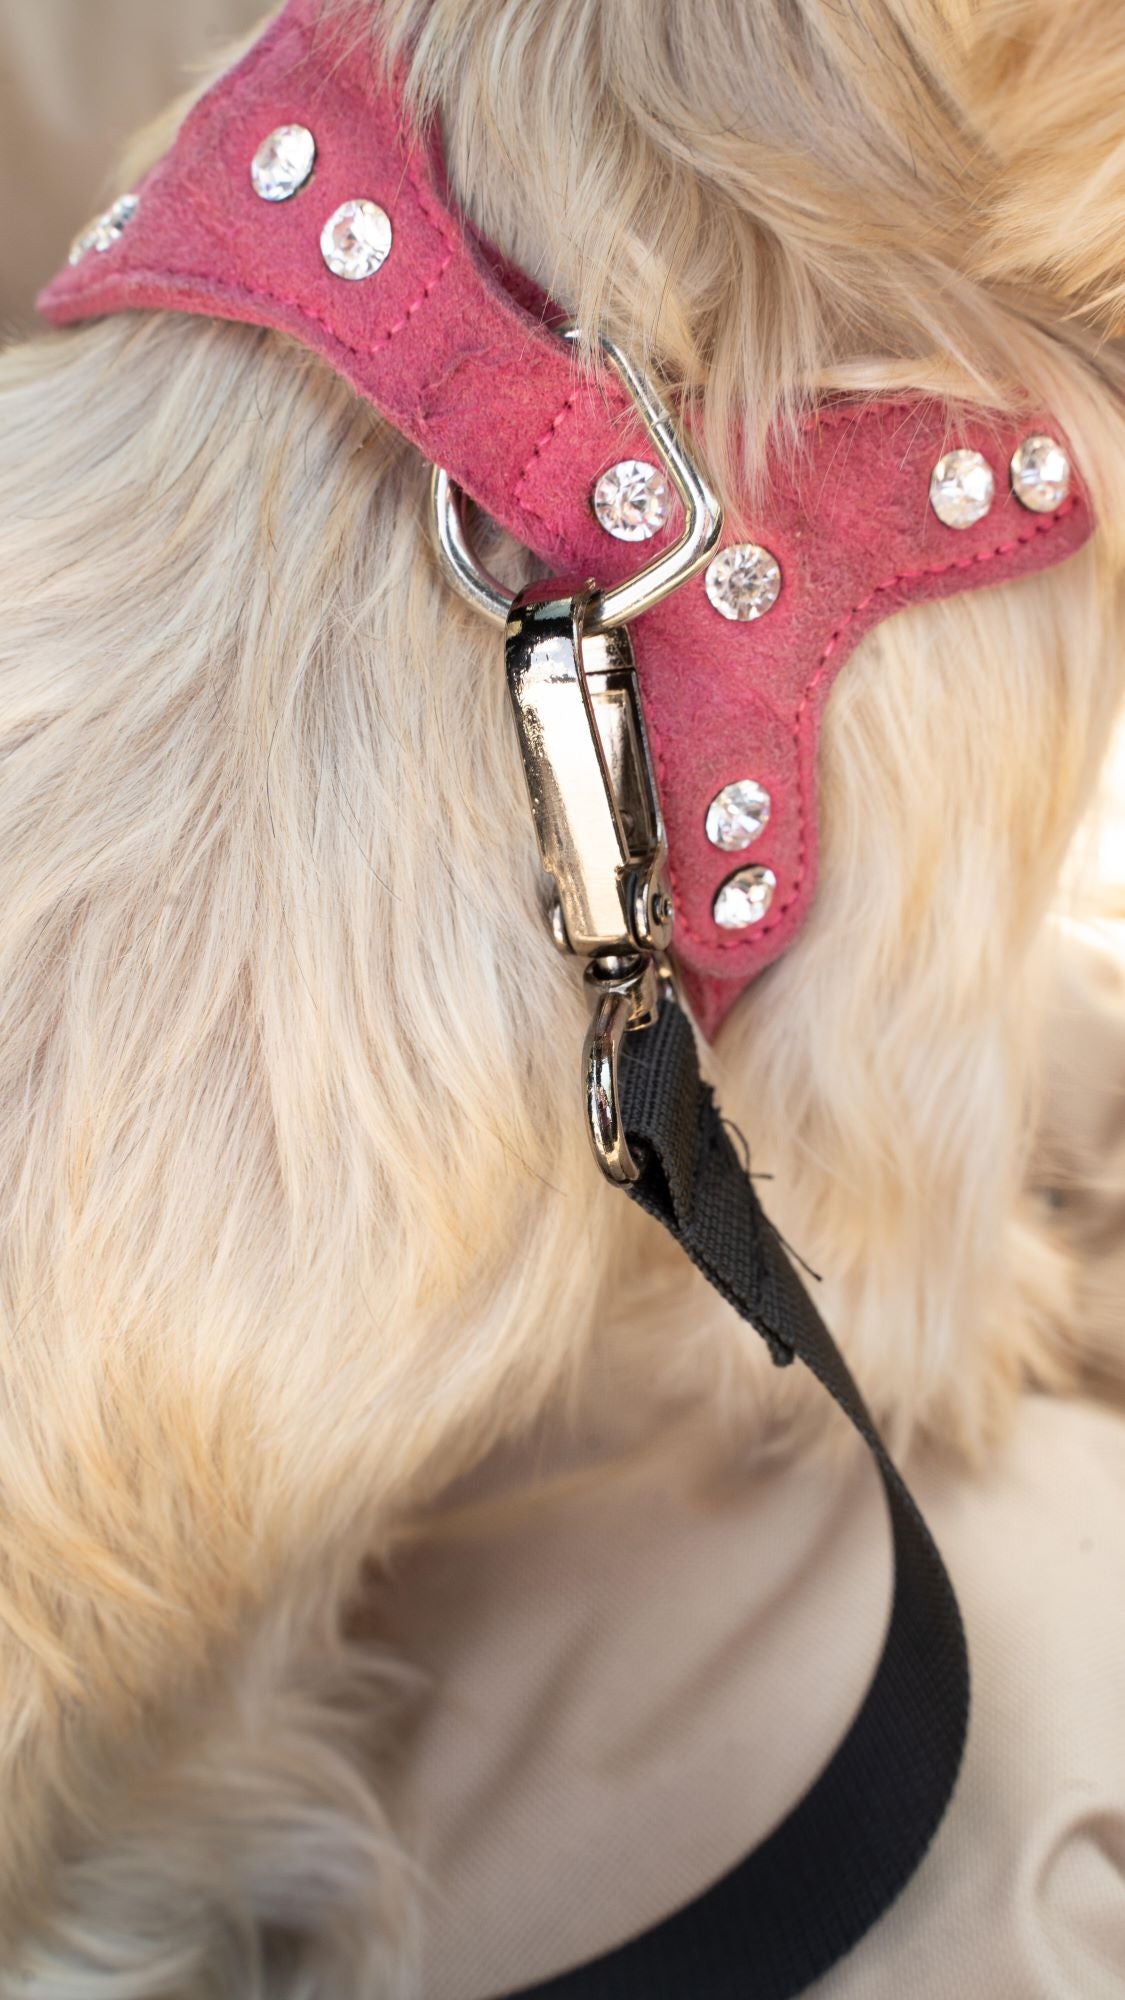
(433, 213)
(94, 293)
(1042, 527)
(442, 222)
(538, 449)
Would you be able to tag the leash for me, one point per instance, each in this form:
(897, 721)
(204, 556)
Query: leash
(792, 1908)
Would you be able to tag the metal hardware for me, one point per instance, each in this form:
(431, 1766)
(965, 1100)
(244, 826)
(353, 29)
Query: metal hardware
(464, 569)
(623, 1001)
(614, 606)
(573, 689)
(601, 838)
(589, 776)
(608, 1028)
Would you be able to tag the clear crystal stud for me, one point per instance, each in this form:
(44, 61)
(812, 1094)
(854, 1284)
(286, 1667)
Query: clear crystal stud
(283, 162)
(744, 898)
(743, 581)
(737, 814)
(103, 232)
(356, 239)
(115, 222)
(1040, 474)
(631, 500)
(961, 488)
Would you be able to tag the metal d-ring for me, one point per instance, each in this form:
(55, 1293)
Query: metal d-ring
(703, 523)
(463, 567)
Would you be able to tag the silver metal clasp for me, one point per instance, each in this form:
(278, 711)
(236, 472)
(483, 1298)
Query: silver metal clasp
(589, 775)
(573, 689)
(601, 839)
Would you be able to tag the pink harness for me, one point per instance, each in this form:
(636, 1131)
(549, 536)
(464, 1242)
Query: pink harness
(437, 340)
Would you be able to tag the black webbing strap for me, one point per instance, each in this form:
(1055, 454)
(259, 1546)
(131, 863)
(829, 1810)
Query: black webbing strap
(798, 1902)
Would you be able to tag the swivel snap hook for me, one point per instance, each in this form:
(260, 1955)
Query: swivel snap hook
(586, 760)
(574, 696)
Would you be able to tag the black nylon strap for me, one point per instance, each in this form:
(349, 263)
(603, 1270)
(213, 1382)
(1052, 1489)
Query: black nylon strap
(811, 1890)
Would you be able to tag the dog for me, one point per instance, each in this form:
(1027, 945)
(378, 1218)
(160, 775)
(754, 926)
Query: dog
(300, 1223)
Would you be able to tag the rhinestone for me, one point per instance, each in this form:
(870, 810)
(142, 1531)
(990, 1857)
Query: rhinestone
(737, 814)
(631, 500)
(356, 240)
(102, 233)
(961, 488)
(1040, 474)
(114, 222)
(283, 162)
(743, 581)
(744, 898)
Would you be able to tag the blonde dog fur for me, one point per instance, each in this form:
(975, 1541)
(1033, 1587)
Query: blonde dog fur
(299, 1218)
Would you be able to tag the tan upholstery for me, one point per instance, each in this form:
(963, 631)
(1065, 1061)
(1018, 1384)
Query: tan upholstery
(77, 77)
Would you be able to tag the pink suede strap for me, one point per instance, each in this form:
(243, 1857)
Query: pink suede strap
(446, 351)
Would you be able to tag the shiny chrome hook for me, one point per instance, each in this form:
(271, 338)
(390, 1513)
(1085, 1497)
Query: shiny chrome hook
(703, 523)
(625, 998)
(581, 731)
(609, 1025)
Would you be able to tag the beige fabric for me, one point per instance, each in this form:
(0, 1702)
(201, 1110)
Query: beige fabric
(77, 77)
(629, 1685)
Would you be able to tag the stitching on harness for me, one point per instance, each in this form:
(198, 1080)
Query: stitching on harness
(1042, 527)
(743, 944)
(540, 448)
(268, 298)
